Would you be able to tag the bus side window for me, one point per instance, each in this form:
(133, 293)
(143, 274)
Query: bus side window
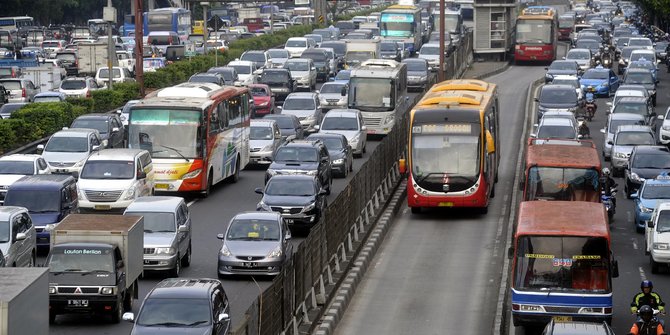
(222, 111)
(214, 121)
(235, 111)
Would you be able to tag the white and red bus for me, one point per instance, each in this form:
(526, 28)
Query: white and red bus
(197, 134)
(453, 140)
(536, 37)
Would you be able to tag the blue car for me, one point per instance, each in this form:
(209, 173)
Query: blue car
(644, 64)
(650, 194)
(602, 81)
(342, 76)
(50, 97)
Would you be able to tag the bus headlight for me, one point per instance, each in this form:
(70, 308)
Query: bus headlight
(191, 174)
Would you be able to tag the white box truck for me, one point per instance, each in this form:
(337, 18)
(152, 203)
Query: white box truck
(45, 78)
(94, 264)
(359, 51)
(92, 56)
(24, 302)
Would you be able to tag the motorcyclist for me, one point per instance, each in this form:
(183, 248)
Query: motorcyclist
(647, 324)
(647, 297)
(584, 130)
(608, 184)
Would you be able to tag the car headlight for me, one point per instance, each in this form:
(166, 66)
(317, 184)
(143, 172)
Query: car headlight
(645, 209)
(191, 174)
(80, 163)
(130, 194)
(107, 290)
(621, 61)
(264, 206)
(636, 177)
(82, 194)
(276, 252)
(52, 290)
(338, 161)
(309, 207)
(605, 84)
(225, 252)
(620, 155)
(267, 148)
(271, 172)
(423, 78)
(264, 104)
(389, 118)
(312, 172)
(666, 128)
(660, 246)
(165, 251)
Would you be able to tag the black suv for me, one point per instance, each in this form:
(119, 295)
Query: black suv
(183, 303)
(341, 154)
(303, 157)
(321, 62)
(69, 59)
(280, 82)
(289, 126)
(645, 162)
(109, 125)
(298, 198)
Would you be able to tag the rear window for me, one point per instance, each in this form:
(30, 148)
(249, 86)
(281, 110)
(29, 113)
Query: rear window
(73, 85)
(345, 25)
(49, 44)
(12, 84)
(160, 40)
(66, 57)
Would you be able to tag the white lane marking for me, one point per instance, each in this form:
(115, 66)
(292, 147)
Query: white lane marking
(629, 217)
(643, 276)
(404, 211)
(188, 204)
(634, 244)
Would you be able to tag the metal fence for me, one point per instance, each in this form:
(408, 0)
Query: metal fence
(461, 58)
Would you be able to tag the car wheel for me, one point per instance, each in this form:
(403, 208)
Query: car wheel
(236, 176)
(33, 259)
(117, 313)
(177, 267)
(330, 185)
(52, 318)
(186, 261)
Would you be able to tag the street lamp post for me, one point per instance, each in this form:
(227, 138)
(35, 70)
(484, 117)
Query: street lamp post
(109, 15)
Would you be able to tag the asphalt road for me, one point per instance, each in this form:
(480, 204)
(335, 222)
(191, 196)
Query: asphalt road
(209, 216)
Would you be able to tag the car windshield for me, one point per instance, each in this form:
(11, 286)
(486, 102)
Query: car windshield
(250, 230)
(416, 66)
(274, 77)
(73, 85)
(253, 57)
(297, 66)
(566, 132)
(293, 154)
(260, 133)
(660, 46)
(290, 187)
(299, 104)
(639, 78)
(332, 88)
(635, 138)
(642, 65)
(242, 69)
(558, 96)
(66, 57)
(578, 55)
(571, 82)
(339, 48)
(157, 222)
(104, 73)
(17, 167)
(80, 259)
(315, 56)
(563, 66)
(100, 125)
(204, 79)
(278, 53)
(10, 108)
(332, 144)
(663, 222)
(614, 124)
(340, 123)
(640, 56)
(651, 161)
(36, 201)
(258, 91)
(639, 42)
(595, 74)
(175, 312)
(587, 44)
(283, 122)
(388, 47)
(108, 170)
(296, 44)
(67, 144)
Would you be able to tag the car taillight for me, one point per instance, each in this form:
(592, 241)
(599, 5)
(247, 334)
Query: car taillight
(170, 40)
(14, 73)
(23, 92)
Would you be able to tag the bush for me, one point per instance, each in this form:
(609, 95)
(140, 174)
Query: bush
(86, 103)
(44, 119)
(8, 139)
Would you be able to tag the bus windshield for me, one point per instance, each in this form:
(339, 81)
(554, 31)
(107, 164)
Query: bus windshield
(533, 31)
(166, 133)
(562, 263)
(397, 24)
(554, 183)
(375, 93)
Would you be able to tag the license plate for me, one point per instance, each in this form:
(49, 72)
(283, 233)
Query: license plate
(146, 261)
(161, 186)
(249, 264)
(103, 207)
(446, 204)
(77, 303)
(562, 318)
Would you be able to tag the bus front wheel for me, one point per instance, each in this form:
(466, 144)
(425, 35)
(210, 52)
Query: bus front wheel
(416, 210)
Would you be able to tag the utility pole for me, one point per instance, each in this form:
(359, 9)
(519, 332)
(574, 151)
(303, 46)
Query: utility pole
(205, 30)
(440, 71)
(139, 45)
(109, 15)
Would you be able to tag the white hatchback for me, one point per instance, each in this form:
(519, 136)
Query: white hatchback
(348, 122)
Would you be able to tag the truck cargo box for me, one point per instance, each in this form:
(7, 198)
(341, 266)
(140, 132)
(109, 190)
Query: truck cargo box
(24, 301)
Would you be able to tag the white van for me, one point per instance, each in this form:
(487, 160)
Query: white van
(112, 178)
(296, 45)
(657, 237)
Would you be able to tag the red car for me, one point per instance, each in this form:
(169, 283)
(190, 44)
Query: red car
(264, 99)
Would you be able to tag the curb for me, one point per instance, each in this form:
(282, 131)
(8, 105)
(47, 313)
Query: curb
(494, 72)
(345, 293)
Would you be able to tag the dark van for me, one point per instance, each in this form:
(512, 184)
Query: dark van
(49, 198)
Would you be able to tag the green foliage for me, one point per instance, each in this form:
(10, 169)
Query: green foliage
(44, 119)
(85, 103)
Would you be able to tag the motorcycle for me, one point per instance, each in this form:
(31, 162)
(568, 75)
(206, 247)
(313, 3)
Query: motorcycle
(657, 314)
(590, 104)
(609, 203)
(606, 59)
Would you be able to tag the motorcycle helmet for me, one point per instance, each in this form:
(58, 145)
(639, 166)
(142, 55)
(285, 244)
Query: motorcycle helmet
(606, 171)
(647, 283)
(646, 313)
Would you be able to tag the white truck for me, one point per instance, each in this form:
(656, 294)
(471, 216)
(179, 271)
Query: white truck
(126, 60)
(95, 262)
(91, 57)
(23, 301)
(248, 13)
(359, 51)
(45, 78)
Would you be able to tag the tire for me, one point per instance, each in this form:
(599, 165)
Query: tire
(236, 175)
(128, 300)
(117, 313)
(654, 265)
(52, 318)
(493, 192)
(186, 260)
(416, 210)
(177, 268)
(208, 190)
(484, 210)
(364, 148)
(330, 185)
(33, 259)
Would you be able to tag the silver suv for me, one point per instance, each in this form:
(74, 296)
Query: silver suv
(17, 236)
(625, 139)
(167, 232)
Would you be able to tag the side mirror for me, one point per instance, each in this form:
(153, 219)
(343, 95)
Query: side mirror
(20, 236)
(634, 195)
(660, 117)
(223, 317)
(536, 99)
(317, 127)
(95, 148)
(258, 190)
(288, 236)
(610, 142)
(220, 236)
(40, 147)
(402, 166)
(364, 128)
(120, 264)
(183, 228)
(128, 316)
(510, 252)
(615, 269)
(533, 135)
(344, 91)
(649, 223)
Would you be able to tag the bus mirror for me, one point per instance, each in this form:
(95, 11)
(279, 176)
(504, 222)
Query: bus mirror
(510, 253)
(615, 269)
(490, 144)
(402, 166)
